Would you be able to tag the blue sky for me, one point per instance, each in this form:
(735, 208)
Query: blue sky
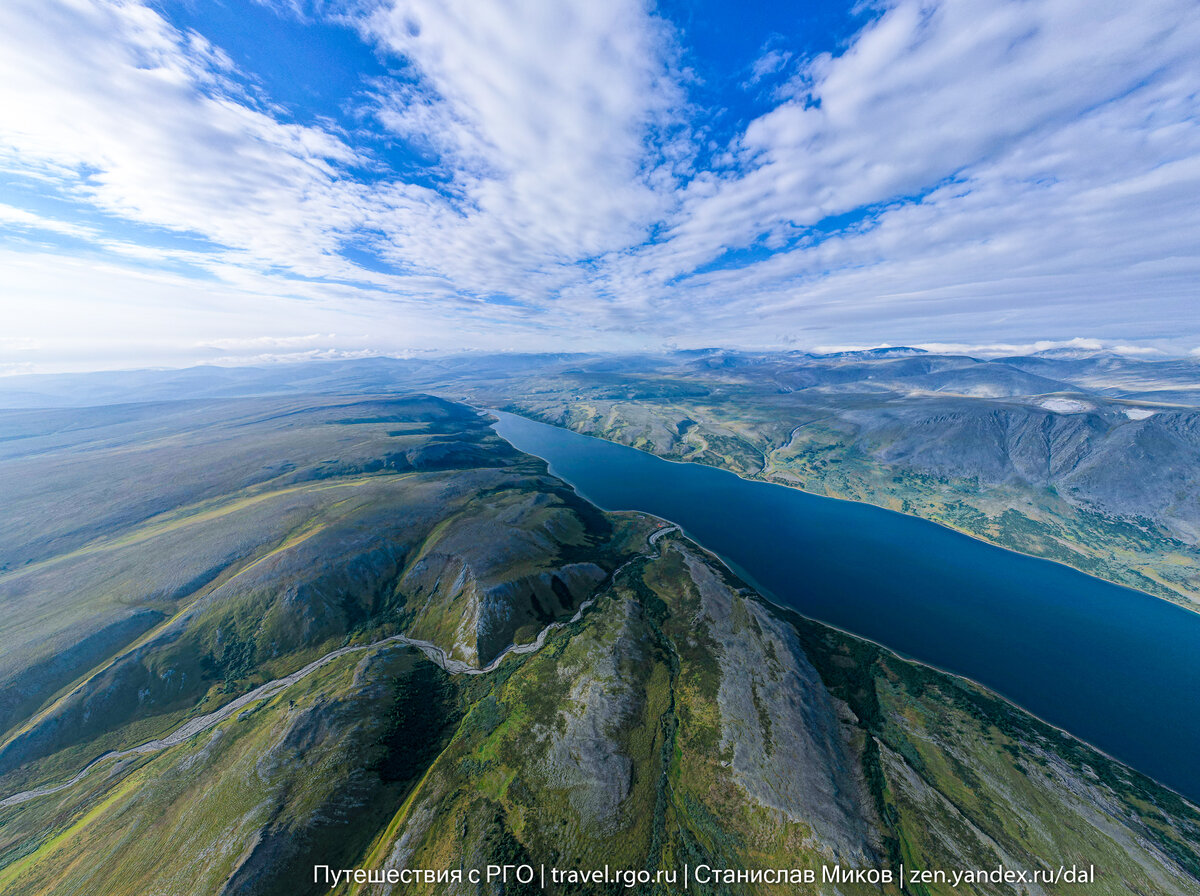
(238, 182)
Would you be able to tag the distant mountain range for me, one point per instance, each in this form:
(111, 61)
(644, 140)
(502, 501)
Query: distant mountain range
(1090, 458)
(1093, 461)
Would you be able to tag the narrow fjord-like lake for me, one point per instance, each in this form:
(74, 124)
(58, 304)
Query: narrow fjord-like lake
(1113, 666)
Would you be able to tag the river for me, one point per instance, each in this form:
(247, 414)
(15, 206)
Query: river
(1113, 666)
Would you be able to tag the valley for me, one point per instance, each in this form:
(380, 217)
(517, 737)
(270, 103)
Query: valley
(283, 595)
(1095, 468)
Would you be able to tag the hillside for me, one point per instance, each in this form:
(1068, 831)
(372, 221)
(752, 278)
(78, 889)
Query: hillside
(252, 636)
(1089, 462)
(1085, 458)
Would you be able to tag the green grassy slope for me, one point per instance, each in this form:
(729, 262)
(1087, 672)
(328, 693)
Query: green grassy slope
(686, 721)
(676, 719)
(391, 515)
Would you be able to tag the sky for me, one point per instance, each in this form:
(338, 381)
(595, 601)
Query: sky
(211, 181)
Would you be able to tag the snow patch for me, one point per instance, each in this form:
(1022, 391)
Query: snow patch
(1067, 406)
(1139, 413)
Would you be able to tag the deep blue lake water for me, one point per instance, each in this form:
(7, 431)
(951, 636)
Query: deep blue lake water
(1113, 666)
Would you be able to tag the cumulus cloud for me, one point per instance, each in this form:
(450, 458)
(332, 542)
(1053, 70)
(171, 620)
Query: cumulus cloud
(312, 354)
(995, 157)
(958, 172)
(552, 120)
(997, 349)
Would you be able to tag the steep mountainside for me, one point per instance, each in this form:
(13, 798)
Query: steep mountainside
(147, 578)
(405, 646)
(1100, 480)
(1086, 458)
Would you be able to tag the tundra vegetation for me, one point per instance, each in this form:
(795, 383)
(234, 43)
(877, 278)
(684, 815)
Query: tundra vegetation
(1092, 462)
(261, 615)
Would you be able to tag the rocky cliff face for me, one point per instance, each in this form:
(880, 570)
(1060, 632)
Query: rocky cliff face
(1097, 458)
(684, 720)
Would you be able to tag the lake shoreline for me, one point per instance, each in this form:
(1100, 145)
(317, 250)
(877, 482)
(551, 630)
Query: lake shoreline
(1183, 603)
(1025, 671)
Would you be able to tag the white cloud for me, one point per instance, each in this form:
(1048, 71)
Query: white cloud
(18, 344)
(769, 63)
(929, 90)
(1059, 147)
(81, 314)
(13, 218)
(267, 342)
(997, 349)
(548, 114)
(1011, 171)
(312, 354)
(141, 120)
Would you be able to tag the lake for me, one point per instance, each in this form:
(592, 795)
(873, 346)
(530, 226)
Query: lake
(1113, 666)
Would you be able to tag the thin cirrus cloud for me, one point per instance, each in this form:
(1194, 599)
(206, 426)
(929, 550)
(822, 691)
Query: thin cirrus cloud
(558, 175)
